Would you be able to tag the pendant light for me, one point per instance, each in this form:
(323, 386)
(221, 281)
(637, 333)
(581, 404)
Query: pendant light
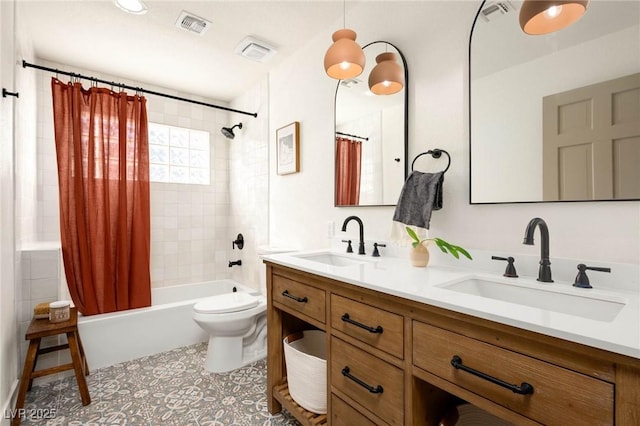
(387, 77)
(542, 17)
(344, 58)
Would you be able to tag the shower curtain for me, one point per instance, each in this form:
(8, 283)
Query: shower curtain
(348, 165)
(103, 170)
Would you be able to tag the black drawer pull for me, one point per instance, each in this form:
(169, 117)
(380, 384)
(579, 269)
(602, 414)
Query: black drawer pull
(523, 389)
(377, 389)
(296, 298)
(378, 329)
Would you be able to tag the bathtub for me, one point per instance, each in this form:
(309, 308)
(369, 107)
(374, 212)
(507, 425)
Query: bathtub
(122, 336)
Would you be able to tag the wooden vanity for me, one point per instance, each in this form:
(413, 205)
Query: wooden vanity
(389, 362)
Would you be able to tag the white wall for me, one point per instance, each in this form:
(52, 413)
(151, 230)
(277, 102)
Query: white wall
(8, 323)
(301, 205)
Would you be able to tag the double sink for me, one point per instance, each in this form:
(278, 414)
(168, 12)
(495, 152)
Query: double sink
(599, 306)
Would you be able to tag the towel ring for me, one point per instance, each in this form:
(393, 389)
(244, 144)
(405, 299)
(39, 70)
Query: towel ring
(435, 153)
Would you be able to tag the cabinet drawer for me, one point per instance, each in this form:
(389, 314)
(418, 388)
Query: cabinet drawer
(560, 396)
(300, 297)
(387, 402)
(376, 327)
(343, 414)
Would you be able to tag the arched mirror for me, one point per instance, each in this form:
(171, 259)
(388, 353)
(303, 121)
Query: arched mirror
(555, 117)
(374, 129)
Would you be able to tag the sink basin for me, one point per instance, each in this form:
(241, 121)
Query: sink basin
(599, 308)
(332, 259)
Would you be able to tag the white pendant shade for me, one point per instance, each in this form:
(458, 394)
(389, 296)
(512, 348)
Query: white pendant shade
(345, 58)
(387, 77)
(542, 17)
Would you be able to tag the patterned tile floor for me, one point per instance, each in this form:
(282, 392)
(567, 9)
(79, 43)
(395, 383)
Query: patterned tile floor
(169, 388)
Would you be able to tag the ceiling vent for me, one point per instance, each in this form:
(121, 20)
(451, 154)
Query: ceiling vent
(496, 9)
(192, 23)
(352, 82)
(254, 49)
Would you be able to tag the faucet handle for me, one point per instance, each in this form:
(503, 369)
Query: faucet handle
(349, 248)
(376, 253)
(511, 269)
(582, 280)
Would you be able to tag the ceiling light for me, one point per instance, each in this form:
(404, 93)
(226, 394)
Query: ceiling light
(345, 58)
(387, 77)
(132, 6)
(542, 17)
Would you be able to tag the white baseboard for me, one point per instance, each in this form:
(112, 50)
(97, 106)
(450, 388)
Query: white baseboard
(9, 404)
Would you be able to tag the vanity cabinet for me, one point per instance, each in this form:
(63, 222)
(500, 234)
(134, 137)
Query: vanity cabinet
(389, 362)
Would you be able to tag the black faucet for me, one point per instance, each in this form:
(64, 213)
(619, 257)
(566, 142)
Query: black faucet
(544, 273)
(357, 219)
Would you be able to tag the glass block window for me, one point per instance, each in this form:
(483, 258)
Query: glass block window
(179, 155)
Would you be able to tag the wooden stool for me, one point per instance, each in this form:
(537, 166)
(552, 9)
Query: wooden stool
(38, 329)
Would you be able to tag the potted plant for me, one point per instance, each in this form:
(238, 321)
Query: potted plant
(420, 252)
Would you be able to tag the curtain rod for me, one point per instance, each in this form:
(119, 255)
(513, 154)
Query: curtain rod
(25, 64)
(352, 136)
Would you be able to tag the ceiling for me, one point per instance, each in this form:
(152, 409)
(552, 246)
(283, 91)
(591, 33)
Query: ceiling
(149, 48)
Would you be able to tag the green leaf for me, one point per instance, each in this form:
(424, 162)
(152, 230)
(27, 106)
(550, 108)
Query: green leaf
(413, 235)
(453, 250)
(464, 252)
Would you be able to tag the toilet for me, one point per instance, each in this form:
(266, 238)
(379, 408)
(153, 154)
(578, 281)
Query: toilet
(236, 325)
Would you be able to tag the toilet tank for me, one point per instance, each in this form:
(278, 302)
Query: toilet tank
(265, 251)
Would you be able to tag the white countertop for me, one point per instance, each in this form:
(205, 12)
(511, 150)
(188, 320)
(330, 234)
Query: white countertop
(396, 276)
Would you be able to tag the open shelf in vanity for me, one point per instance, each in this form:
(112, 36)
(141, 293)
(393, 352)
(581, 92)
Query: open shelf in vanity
(410, 359)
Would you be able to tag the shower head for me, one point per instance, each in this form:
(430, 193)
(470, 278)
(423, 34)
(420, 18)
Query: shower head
(228, 131)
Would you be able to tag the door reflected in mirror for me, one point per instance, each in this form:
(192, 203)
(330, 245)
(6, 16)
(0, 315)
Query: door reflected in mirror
(555, 117)
(371, 134)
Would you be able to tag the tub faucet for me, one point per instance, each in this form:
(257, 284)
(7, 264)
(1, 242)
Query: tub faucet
(234, 263)
(357, 219)
(544, 273)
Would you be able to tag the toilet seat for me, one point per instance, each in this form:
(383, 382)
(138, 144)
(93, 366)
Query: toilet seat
(225, 303)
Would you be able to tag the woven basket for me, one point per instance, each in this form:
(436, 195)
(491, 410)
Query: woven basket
(305, 357)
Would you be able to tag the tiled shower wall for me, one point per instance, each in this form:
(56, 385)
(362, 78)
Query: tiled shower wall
(249, 184)
(190, 236)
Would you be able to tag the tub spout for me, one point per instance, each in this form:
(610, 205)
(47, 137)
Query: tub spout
(235, 262)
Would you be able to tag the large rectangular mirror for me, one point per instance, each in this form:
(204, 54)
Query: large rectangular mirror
(555, 117)
(371, 134)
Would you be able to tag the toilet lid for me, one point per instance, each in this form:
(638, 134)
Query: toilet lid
(228, 302)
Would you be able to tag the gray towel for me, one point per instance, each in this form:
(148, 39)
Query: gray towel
(421, 194)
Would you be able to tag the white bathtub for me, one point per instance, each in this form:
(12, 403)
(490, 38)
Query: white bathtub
(122, 336)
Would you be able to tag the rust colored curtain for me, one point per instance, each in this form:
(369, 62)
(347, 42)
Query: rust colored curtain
(103, 171)
(348, 161)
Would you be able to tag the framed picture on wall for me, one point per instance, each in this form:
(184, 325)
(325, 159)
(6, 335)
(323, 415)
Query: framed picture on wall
(288, 149)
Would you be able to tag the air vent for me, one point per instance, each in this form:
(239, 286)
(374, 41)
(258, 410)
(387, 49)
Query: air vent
(352, 82)
(493, 10)
(192, 23)
(254, 49)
